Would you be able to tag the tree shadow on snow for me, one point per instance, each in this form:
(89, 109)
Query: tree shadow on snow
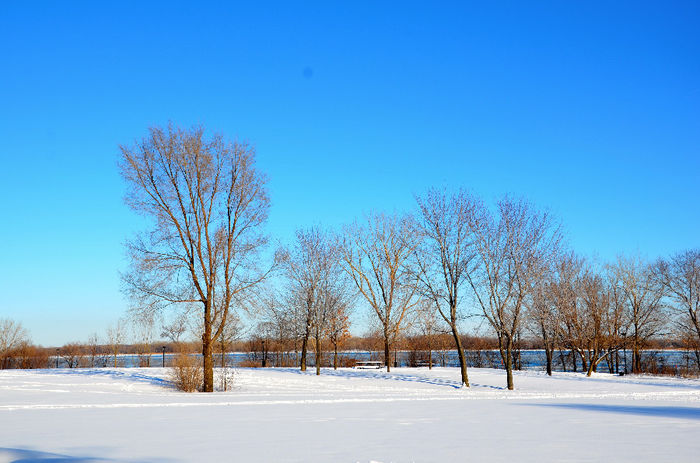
(630, 379)
(689, 413)
(10, 455)
(113, 374)
(383, 375)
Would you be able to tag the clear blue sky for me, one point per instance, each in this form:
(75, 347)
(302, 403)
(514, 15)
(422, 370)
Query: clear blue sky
(591, 109)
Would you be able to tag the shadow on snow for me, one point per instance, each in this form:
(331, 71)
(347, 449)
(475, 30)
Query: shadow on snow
(689, 413)
(113, 374)
(383, 375)
(11, 455)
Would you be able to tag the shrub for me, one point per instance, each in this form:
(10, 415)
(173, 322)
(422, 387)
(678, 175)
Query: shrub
(224, 377)
(187, 373)
(250, 364)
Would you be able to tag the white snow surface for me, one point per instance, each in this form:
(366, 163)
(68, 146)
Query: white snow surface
(408, 415)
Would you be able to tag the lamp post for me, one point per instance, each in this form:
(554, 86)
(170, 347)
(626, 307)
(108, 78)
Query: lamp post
(624, 349)
(264, 354)
(163, 356)
(56, 357)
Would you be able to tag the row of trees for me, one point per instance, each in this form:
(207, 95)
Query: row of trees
(428, 273)
(208, 203)
(595, 312)
(407, 267)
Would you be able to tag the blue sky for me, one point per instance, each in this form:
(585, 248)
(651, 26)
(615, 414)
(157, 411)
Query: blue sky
(589, 109)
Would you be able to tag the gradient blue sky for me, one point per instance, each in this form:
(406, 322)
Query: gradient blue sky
(591, 109)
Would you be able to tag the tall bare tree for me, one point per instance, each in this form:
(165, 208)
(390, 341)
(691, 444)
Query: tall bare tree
(509, 247)
(542, 315)
(680, 277)
(563, 292)
(315, 288)
(116, 336)
(207, 202)
(303, 271)
(377, 256)
(642, 296)
(599, 317)
(338, 300)
(447, 256)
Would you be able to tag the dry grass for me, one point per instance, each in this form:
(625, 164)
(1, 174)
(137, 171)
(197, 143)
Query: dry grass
(187, 373)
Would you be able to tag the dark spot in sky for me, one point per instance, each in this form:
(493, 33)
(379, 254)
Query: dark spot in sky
(308, 72)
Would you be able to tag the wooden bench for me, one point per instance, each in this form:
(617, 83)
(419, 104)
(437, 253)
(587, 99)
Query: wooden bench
(367, 364)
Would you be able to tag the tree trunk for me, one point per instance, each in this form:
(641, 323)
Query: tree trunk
(636, 357)
(548, 353)
(508, 361)
(590, 369)
(303, 352)
(562, 359)
(207, 351)
(208, 361)
(318, 356)
(387, 353)
(335, 356)
(460, 354)
(548, 348)
(223, 354)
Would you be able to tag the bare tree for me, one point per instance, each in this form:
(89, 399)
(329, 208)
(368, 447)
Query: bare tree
(338, 326)
(377, 256)
(599, 315)
(617, 322)
(96, 352)
(13, 336)
(332, 318)
(588, 312)
(116, 336)
(284, 325)
(305, 266)
(447, 256)
(143, 323)
(176, 329)
(542, 315)
(428, 326)
(73, 354)
(316, 288)
(680, 277)
(231, 332)
(563, 295)
(509, 248)
(208, 203)
(642, 296)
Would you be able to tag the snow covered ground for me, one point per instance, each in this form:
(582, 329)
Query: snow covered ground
(347, 415)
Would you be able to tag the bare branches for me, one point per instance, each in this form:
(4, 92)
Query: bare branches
(447, 255)
(641, 297)
(512, 246)
(12, 335)
(680, 278)
(377, 255)
(208, 203)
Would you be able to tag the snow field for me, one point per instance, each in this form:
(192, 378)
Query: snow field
(348, 415)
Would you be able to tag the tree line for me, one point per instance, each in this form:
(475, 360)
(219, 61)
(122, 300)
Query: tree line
(455, 260)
